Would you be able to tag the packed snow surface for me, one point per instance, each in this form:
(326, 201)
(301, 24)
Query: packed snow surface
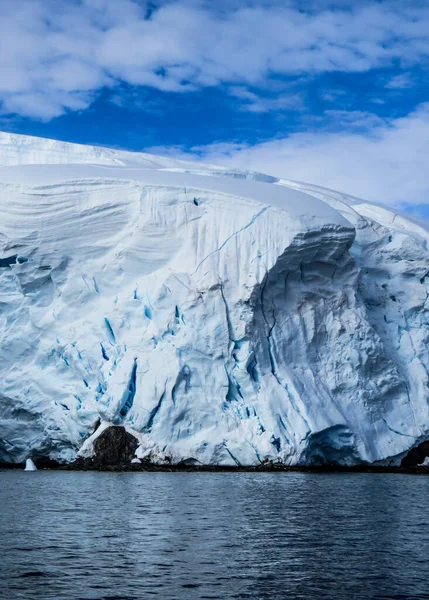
(222, 317)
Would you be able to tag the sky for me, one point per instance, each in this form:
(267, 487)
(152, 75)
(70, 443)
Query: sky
(334, 93)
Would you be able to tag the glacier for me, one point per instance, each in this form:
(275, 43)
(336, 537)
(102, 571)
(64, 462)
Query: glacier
(222, 317)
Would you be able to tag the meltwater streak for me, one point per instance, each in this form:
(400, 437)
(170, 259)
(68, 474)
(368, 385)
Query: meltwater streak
(88, 536)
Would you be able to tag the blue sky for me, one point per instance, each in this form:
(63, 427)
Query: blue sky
(334, 93)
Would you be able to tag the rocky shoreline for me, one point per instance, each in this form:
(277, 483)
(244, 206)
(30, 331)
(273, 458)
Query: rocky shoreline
(115, 450)
(265, 468)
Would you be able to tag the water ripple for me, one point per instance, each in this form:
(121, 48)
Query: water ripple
(229, 536)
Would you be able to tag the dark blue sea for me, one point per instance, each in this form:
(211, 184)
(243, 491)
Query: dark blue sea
(90, 535)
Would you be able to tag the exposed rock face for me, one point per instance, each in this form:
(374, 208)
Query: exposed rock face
(220, 321)
(113, 447)
(416, 456)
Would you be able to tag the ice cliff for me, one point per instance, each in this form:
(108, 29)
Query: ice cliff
(222, 317)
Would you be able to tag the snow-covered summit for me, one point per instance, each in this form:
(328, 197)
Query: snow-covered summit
(222, 316)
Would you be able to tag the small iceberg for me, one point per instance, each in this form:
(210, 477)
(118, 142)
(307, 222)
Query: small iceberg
(29, 465)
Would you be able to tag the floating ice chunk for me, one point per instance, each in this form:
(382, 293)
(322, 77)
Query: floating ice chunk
(29, 465)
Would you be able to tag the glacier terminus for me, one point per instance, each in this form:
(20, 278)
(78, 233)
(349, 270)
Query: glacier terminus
(222, 317)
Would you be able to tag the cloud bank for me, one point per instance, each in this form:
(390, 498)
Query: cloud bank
(57, 55)
(384, 161)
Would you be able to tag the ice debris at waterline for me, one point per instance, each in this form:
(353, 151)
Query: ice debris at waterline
(221, 317)
(29, 465)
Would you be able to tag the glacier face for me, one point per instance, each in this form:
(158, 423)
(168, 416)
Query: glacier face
(221, 316)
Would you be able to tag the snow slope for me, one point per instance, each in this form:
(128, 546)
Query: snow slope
(222, 316)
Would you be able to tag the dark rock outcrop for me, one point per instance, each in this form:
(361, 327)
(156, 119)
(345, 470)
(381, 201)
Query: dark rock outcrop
(416, 455)
(115, 447)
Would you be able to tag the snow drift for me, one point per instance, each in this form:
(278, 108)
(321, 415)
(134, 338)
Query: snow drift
(222, 317)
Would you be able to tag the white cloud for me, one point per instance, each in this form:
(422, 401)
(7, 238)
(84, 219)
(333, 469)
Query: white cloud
(56, 55)
(404, 80)
(352, 120)
(333, 95)
(386, 163)
(259, 104)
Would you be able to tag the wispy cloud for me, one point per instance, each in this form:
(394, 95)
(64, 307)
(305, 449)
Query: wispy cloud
(56, 55)
(257, 103)
(400, 82)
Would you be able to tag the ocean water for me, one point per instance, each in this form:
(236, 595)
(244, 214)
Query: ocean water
(90, 535)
